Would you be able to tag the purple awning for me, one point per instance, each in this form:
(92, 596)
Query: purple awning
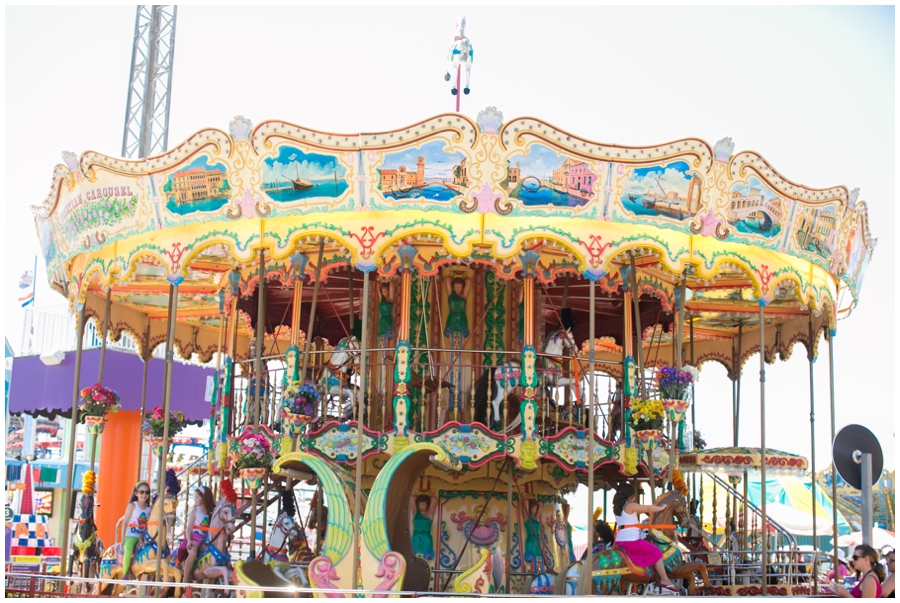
(36, 388)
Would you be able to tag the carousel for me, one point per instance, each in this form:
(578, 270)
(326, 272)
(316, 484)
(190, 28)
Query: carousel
(444, 329)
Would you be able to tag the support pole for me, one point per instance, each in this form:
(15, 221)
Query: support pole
(737, 382)
(167, 397)
(253, 419)
(70, 470)
(865, 514)
(360, 413)
(812, 434)
(509, 524)
(591, 430)
(106, 311)
(639, 335)
(312, 314)
(762, 446)
(146, 356)
(834, 513)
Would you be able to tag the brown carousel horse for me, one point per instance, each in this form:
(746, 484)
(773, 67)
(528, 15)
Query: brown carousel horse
(612, 567)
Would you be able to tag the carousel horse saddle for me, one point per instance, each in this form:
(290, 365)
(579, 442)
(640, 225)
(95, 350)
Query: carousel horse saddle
(257, 573)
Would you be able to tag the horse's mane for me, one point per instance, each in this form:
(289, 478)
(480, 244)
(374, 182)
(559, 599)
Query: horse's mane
(666, 517)
(152, 521)
(87, 526)
(484, 393)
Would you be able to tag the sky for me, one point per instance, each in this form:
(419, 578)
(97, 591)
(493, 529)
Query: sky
(810, 88)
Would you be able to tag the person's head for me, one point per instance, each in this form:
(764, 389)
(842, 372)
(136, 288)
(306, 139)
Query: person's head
(141, 493)
(385, 289)
(889, 559)
(423, 502)
(603, 532)
(864, 560)
(694, 505)
(458, 285)
(624, 493)
(204, 498)
(534, 507)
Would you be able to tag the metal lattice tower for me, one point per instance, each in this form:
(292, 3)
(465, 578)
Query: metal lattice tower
(150, 82)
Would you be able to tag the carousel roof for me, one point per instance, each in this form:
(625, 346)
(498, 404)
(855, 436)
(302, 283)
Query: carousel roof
(475, 195)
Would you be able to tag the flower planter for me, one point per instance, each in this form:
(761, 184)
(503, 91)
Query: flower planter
(649, 438)
(156, 445)
(95, 425)
(675, 409)
(253, 477)
(293, 423)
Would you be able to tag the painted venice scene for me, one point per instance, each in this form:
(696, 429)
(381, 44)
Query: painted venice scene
(462, 356)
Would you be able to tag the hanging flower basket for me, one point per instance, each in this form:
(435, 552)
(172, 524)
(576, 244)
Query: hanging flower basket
(293, 422)
(95, 425)
(156, 445)
(253, 477)
(154, 424)
(675, 409)
(649, 438)
(97, 401)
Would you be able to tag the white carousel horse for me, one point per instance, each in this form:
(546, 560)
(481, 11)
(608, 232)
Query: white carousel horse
(501, 380)
(344, 359)
(286, 547)
(213, 561)
(460, 55)
(557, 344)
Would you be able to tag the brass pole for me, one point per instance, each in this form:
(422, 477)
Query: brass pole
(812, 439)
(834, 513)
(312, 314)
(762, 444)
(639, 343)
(360, 413)
(146, 356)
(70, 470)
(105, 335)
(167, 397)
(254, 417)
(591, 429)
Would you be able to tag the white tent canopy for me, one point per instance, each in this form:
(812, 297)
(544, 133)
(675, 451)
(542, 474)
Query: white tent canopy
(880, 538)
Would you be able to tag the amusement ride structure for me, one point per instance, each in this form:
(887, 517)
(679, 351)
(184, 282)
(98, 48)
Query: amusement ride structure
(444, 366)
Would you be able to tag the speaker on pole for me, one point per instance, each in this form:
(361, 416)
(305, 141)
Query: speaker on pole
(858, 459)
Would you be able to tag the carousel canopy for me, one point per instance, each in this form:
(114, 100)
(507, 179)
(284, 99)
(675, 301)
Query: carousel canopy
(734, 461)
(465, 195)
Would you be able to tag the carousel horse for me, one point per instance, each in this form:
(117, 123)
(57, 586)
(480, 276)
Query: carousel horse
(87, 548)
(285, 548)
(557, 344)
(144, 559)
(461, 54)
(501, 381)
(336, 372)
(611, 567)
(213, 559)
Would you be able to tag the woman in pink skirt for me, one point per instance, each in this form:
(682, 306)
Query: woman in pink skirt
(628, 535)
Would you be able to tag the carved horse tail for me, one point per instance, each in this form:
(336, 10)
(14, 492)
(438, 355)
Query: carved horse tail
(485, 389)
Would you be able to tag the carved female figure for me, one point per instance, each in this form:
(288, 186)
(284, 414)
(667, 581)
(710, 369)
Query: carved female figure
(422, 541)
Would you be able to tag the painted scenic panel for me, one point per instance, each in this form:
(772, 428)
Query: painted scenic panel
(427, 172)
(668, 191)
(294, 174)
(543, 176)
(815, 230)
(755, 209)
(199, 186)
